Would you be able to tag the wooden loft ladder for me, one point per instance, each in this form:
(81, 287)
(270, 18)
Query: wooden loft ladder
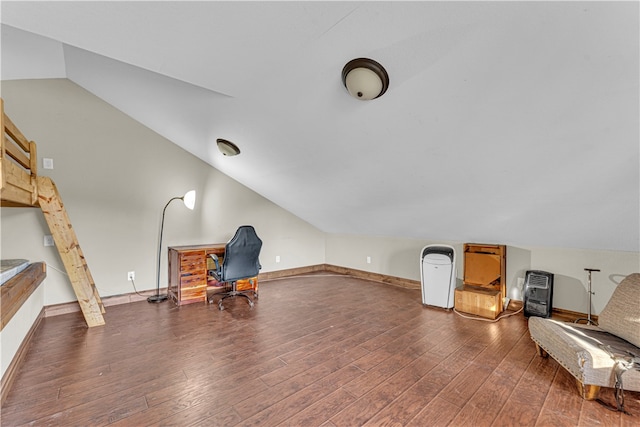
(21, 187)
(72, 257)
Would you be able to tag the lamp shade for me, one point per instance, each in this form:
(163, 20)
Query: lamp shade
(365, 79)
(189, 199)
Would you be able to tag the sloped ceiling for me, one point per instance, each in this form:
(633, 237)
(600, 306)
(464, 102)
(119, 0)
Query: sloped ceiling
(504, 122)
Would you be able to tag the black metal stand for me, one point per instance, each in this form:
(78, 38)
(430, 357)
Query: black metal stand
(157, 298)
(588, 319)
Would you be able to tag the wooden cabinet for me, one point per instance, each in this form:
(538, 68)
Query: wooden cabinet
(188, 272)
(478, 301)
(188, 267)
(484, 280)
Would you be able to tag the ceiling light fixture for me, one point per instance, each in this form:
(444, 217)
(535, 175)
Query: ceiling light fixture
(365, 79)
(227, 148)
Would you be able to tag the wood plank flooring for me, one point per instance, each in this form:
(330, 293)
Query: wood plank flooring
(317, 350)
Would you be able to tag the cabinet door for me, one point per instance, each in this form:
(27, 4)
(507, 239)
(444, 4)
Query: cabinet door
(481, 269)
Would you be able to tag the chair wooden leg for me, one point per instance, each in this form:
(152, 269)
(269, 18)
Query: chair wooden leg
(588, 391)
(540, 351)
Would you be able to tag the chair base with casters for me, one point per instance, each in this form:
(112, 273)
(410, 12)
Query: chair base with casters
(234, 292)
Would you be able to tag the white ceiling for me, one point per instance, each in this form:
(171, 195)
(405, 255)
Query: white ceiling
(504, 122)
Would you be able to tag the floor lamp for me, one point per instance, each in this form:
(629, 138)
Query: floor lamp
(189, 200)
(588, 318)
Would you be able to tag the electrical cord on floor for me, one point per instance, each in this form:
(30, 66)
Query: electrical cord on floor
(489, 320)
(342, 275)
(49, 266)
(455, 311)
(136, 291)
(65, 273)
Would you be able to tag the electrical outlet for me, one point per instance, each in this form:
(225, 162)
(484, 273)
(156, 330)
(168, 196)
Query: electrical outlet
(131, 276)
(48, 240)
(47, 163)
(277, 258)
(368, 260)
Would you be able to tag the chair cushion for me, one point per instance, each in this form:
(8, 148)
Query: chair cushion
(621, 315)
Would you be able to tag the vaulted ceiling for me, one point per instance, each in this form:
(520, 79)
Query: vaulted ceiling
(504, 122)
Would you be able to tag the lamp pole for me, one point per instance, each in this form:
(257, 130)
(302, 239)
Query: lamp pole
(189, 200)
(588, 318)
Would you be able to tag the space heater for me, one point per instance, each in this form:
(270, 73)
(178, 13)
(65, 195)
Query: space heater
(538, 293)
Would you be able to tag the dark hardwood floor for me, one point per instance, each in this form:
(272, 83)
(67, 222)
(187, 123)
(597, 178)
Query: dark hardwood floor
(315, 351)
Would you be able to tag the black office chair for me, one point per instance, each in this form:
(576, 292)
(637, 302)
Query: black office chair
(240, 262)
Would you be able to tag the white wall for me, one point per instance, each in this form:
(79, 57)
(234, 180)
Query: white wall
(16, 330)
(391, 256)
(115, 176)
(401, 258)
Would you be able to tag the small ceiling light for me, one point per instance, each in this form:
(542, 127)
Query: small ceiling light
(227, 148)
(365, 79)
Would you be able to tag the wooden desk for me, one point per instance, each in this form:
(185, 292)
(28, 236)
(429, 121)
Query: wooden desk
(188, 272)
(188, 266)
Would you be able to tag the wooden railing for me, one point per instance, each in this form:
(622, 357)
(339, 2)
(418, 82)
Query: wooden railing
(18, 166)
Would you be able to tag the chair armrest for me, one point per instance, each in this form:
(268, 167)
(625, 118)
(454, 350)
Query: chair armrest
(216, 261)
(216, 273)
